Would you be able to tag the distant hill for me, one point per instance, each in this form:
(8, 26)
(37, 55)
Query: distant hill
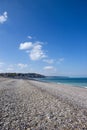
(58, 77)
(21, 75)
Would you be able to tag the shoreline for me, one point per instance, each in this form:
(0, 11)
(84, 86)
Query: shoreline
(75, 94)
(69, 84)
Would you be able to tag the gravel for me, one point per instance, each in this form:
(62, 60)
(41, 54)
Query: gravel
(33, 105)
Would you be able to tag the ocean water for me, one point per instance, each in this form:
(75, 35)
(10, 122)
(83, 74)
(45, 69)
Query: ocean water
(79, 82)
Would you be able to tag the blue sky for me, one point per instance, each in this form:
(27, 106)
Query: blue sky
(43, 36)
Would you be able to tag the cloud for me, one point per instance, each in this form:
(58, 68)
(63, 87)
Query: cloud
(60, 60)
(22, 65)
(3, 17)
(34, 50)
(10, 69)
(25, 45)
(49, 61)
(11, 66)
(48, 68)
(1, 64)
(30, 37)
(1, 70)
(37, 53)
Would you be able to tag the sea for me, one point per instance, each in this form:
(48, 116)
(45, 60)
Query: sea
(76, 82)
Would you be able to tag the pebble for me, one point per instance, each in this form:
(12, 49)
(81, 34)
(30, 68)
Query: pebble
(26, 106)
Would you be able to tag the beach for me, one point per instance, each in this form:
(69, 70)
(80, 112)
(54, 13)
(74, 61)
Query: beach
(35, 105)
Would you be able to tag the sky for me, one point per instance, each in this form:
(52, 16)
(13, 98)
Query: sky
(44, 36)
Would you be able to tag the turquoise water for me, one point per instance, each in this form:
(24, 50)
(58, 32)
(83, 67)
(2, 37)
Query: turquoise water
(79, 82)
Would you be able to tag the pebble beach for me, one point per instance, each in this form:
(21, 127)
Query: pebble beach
(34, 105)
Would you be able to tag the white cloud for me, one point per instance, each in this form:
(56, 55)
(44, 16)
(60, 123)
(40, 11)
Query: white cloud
(1, 70)
(37, 53)
(30, 37)
(49, 61)
(60, 60)
(1, 64)
(48, 68)
(3, 17)
(10, 69)
(34, 50)
(22, 65)
(25, 45)
(11, 66)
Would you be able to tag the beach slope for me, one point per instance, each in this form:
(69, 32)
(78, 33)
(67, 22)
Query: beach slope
(34, 105)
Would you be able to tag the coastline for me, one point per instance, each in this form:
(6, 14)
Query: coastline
(30, 104)
(81, 85)
(75, 94)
